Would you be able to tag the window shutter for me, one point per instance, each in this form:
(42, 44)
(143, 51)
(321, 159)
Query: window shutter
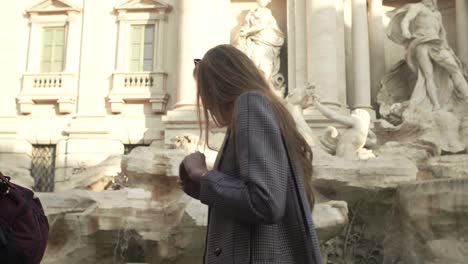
(47, 45)
(53, 49)
(135, 48)
(141, 48)
(59, 49)
(148, 48)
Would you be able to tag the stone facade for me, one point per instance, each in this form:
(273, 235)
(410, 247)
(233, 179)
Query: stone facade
(96, 104)
(90, 80)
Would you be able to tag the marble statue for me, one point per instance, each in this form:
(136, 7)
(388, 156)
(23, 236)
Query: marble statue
(188, 143)
(418, 27)
(349, 143)
(425, 96)
(297, 100)
(261, 39)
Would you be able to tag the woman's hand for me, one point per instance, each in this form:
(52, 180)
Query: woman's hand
(191, 170)
(195, 166)
(190, 187)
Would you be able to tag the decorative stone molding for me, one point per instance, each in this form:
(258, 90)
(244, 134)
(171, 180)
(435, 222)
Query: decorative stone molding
(149, 87)
(159, 104)
(59, 87)
(46, 87)
(66, 105)
(159, 7)
(25, 106)
(53, 7)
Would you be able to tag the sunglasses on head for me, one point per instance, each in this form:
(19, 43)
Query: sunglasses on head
(196, 61)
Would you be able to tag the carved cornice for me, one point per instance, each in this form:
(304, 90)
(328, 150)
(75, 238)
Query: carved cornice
(143, 6)
(53, 7)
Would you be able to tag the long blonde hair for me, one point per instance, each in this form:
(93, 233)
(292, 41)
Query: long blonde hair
(222, 76)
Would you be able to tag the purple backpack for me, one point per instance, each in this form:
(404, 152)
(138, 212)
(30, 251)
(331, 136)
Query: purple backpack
(24, 229)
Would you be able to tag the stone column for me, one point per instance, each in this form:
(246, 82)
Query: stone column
(361, 60)
(73, 44)
(324, 58)
(203, 24)
(200, 28)
(462, 29)
(33, 62)
(121, 37)
(377, 51)
(297, 43)
(347, 6)
(341, 44)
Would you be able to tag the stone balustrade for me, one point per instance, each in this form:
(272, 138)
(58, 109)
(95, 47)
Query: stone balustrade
(47, 81)
(138, 86)
(39, 87)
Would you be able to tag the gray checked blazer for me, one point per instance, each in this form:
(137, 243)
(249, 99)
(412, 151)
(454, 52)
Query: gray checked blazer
(254, 208)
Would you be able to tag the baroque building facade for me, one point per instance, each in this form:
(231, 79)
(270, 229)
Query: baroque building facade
(85, 80)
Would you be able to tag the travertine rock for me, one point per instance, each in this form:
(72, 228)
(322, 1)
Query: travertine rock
(114, 225)
(428, 223)
(95, 178)
(417, 152)
(343, 176)
(450, 166)
(20, 176)
(330, 218)
(81, 220)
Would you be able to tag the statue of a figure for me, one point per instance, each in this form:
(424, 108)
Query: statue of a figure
(418, 27)
(297, 100)
(261, 39)
(349, 143)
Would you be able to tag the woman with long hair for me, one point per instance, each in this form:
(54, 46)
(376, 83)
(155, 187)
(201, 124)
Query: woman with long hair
(259, 192)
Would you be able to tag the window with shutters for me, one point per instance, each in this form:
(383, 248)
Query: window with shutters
(141, 48)
(53, 49)
(140, 74)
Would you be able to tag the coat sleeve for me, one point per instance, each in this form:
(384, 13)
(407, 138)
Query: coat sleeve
(258, 194)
